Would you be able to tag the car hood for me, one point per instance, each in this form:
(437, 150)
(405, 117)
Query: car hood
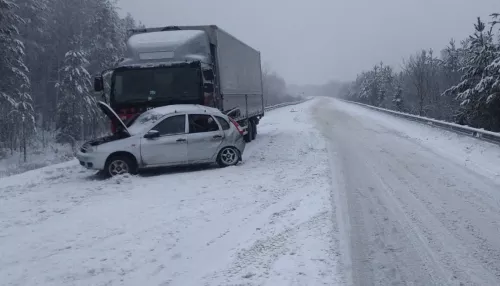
(111, 114)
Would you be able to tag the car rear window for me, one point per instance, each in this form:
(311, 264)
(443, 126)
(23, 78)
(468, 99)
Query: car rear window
(199, 123)
(223, 123)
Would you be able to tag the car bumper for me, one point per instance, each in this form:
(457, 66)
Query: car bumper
(92, 160)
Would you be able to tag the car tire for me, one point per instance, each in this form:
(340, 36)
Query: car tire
(249, 135)
(119, 165)
(228, 156)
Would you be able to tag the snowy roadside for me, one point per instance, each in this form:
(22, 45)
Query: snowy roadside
(39, 157)
(267, 221)
(472, 153)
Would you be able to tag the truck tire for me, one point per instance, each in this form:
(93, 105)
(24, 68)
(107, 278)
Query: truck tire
(254, 129)
(119, 165)
(249, 135)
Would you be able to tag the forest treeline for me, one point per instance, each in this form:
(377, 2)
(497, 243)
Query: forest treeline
(460, 84)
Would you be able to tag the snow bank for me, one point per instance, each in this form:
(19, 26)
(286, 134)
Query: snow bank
(37, 157)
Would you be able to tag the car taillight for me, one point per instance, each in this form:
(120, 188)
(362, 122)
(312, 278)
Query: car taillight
(238, 127)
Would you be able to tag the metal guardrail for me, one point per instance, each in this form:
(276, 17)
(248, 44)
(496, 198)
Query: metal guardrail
(268, 108)
(481, 134)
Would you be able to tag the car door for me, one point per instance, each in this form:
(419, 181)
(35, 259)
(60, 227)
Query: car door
(170, 146)
(204, 138)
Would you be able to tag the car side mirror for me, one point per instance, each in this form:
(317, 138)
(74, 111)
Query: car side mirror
(208, 87)
(152, 134)
(208, 74)
(98, 83)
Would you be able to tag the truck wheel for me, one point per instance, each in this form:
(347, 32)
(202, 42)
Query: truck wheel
(254, 126)
(228, 156)
(249, 135)
(119, 165)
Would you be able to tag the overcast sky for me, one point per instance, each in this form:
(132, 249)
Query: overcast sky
(314, 41)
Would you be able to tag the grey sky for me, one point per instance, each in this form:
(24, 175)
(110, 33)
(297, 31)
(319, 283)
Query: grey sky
(314, 41)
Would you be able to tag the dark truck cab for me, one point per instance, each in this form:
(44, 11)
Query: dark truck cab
(187, 65)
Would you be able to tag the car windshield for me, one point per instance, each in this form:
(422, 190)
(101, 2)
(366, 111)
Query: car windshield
(164, 84)
(144, 121)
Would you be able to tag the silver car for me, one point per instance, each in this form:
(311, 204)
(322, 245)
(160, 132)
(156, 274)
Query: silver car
(165, 136)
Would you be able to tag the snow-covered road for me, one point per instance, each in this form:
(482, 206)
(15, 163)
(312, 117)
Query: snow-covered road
(267, 221)
(329, 194)
(417, 205)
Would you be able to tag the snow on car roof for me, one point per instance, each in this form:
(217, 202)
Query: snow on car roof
(150, 117)
(183, 108)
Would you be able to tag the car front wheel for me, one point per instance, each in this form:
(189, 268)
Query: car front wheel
(119, 165)
(228, 156)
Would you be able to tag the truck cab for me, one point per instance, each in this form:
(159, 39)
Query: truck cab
(162, 68)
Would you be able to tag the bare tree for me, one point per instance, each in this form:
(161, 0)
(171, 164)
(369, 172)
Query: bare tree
(416, 68)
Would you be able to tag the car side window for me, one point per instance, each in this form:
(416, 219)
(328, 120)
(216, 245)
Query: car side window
(223, 123)
(199, 123)
(172, 125)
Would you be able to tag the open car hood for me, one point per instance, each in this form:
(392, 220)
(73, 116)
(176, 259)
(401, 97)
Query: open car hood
(111, 114)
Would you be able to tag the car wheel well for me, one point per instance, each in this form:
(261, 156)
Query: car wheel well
(122, 154)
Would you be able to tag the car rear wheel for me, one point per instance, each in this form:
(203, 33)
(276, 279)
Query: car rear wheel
(228, 156)
(119, 165)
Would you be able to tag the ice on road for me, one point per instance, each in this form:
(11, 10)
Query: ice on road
(417, 205)
(267, 221)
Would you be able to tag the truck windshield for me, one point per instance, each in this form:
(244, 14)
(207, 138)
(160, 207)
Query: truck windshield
(171, 84)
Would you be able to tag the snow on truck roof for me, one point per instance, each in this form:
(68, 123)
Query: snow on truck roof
(167, 46)
(167, 38)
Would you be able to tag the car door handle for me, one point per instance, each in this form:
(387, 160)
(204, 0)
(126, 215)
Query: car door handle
(181, 140)
(217, 136)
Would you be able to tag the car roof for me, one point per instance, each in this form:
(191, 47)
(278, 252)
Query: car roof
(184, 108)
(151, 117)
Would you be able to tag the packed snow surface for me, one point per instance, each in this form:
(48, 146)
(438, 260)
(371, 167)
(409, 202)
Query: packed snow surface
(330, 193)
(266, 221)
(417, 205)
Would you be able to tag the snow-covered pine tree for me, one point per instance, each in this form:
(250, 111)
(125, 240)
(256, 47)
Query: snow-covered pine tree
(490, 82)
(353, 89)
(75, 105)
(364, 87)
(35, 36)
(106, 41)
(480, 51)
(452, 62)
(369, 89)
(398, 92)
(384, 80)
(15, 99)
